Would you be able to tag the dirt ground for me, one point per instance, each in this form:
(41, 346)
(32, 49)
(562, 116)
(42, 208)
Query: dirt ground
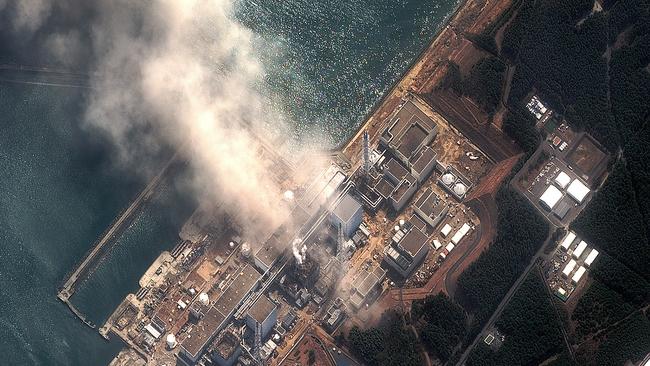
(300, 355)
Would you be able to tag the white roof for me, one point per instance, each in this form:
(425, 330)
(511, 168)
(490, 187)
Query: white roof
(445, 230)
(591, 257)
(551, 196)
(569, 268)
(579, 249)
(155, 333)
(577, 190)
(562, 180)
(460, 233)
(450, 247)
(436, 243)
(576, 276)
(568, 239)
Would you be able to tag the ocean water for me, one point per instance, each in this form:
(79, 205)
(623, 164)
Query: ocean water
(326, 64)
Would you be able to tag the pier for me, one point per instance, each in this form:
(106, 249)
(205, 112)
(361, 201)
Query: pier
(106, 241)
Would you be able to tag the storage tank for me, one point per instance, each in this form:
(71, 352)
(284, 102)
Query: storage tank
(448, 179)
(171, 341)
(204, 299)
(460, 189)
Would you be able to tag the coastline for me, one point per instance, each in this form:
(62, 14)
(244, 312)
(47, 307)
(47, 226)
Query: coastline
(428, 50)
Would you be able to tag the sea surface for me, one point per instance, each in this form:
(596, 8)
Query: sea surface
(327, 63)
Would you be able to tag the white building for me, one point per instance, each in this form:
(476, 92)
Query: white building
(569, 268)
(550, 197)
(567, 241)
(577, 190)
(591, 257)
(579, 249)
(562, 180)
(578, 275)
(460, 234)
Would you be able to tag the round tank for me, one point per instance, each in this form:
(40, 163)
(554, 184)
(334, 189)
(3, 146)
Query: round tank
(288, 196)
(460, 189)
(396, 228)
(171, 341)
(276, 338)
(204, 299)
(401, 222)
(246, 250)
(448, 178)
(231, 244)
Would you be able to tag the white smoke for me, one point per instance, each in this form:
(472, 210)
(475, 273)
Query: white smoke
(190, 70)
(299, 251)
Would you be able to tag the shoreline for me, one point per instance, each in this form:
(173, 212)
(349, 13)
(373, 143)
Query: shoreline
(429, 48)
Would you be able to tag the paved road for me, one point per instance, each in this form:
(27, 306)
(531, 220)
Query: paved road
(506, 299)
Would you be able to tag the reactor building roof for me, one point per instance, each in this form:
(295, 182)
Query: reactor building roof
(261, 309)
(241, 286)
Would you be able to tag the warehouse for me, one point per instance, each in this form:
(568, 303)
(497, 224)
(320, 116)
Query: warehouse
(579, 249)
(569, 268)
(578, 275)
(562, 180)
(577, 190)
(460, 234)
(550, 197)
(591, 257)
(568, 240)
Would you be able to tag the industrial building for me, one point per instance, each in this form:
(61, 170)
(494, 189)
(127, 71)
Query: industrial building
(430, 208)
(410, 130)
(591, 257)
(365, 285)
(226, 348)
(209, 324)
(347, 215)
(407, 250)
(263, 314)
(577, 252)
(577, 190)
(567, 240)
(550, 197)
(403, 182)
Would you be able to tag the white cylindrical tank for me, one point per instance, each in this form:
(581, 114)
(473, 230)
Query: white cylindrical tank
(460, 189)
(246, 250)
(204, 299)
(288, 195)
(171, 341)
(401, 222)
(448, 178)
(396, 228)
(231, 244)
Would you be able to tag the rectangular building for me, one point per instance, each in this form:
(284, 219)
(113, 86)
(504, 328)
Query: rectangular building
(408, 253)
(578, 275)
(347, 214)
(430, 208)
(569, 268)
(579, 249)
(568, 240)
(591, 257)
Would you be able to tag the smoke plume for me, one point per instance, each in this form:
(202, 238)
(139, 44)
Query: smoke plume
(184, 73)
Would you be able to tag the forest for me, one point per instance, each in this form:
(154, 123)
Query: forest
(531, 328)
(484, 83)
(392, 343)
(629, 340)
(598, 308)
(441, 324)
(484, 283)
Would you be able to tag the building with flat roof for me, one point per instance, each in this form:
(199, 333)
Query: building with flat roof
(405, 184)
(365, 285)
(422, 163)
(577, 252)
(591, 257)
(550, 197)
(409, 131)
(207, 327)
(567, 240)
(406, 251)
(430, 208)
(264, 313)
(347, 214)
